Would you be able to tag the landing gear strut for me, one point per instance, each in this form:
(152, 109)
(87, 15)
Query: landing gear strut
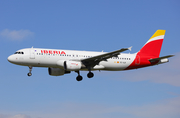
(79, 77)
(30, 69)
(90, 74)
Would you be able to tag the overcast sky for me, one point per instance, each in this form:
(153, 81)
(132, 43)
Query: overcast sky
(92, 25)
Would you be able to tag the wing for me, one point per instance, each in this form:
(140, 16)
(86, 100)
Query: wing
(92, 61)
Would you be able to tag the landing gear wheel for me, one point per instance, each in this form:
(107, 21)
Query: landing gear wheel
(90, 75)
(79, 78)
(29, 74)
(30, 69)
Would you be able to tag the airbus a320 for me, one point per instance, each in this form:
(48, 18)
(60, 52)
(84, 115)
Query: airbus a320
(60, 62)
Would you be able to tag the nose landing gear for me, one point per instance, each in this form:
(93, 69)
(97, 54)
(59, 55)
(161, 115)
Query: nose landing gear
(30, 69)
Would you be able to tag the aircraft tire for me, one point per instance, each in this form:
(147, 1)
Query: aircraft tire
(90, 75)
(79, 78)
(29, 74)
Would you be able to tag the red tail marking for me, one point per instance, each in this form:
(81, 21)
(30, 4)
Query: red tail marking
(148, 51)
(152, 48)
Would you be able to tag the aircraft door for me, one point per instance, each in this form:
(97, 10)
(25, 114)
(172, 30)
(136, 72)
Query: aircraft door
(32, 53)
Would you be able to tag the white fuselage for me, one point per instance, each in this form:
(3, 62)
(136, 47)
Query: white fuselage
(37, 57)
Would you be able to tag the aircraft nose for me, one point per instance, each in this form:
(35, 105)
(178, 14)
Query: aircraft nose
(10, 59)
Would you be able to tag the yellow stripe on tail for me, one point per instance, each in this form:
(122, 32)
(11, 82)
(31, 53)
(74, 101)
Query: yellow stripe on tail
(158, 33)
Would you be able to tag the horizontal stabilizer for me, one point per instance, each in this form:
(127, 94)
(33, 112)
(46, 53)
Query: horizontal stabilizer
(157, 59)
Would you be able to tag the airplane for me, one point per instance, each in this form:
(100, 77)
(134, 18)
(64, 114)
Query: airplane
(60, 62)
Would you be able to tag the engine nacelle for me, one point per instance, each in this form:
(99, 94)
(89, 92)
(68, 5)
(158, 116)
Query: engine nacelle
(56, 71)
(72, 65)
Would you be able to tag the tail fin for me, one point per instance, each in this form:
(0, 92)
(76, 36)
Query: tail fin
(153, 45)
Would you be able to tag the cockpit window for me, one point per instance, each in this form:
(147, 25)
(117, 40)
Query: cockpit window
(19, 53)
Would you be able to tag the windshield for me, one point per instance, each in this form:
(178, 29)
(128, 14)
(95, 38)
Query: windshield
(19, 53)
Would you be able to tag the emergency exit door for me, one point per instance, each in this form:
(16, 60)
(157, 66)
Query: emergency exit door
(32, 53)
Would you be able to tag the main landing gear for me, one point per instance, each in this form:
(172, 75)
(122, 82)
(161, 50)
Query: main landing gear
(30, 69)
(79, 77)
(90, 75)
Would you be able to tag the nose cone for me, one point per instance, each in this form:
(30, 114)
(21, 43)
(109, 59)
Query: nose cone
(10, 59)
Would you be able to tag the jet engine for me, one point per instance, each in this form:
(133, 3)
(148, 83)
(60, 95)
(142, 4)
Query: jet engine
(72, 65)
(57, 71)
(69, 65)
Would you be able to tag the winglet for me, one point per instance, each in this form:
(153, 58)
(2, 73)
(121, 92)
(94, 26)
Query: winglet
(130, 48)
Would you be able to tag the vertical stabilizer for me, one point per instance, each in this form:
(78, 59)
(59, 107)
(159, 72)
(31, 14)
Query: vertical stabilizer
(153, 45)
